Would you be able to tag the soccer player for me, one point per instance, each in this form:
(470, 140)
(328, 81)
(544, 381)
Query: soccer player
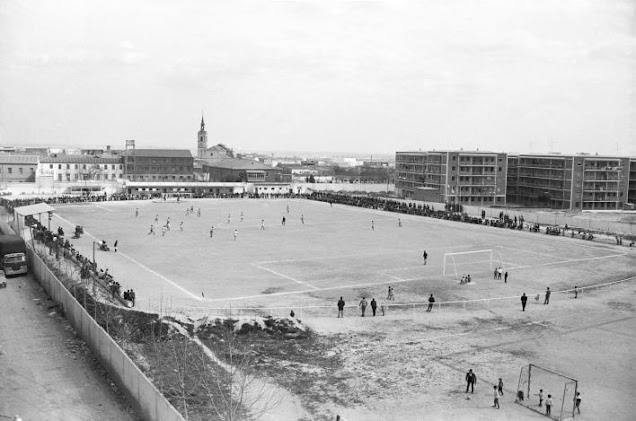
(152, 229)
(262, 224)
(235, 234)
(399, 222)
(241, 216)
(372, 225)
(228, 218)
(302, 219)
(136, 212)
(212, 231)
(181, 225)
(425, 256)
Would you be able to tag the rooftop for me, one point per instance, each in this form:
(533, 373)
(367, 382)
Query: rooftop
(159, 153)
(238, 164)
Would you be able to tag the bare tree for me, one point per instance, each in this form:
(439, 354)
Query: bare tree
(239, 395)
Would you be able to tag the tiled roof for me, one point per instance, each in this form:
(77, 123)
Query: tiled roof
(160, 153)
(79, 159)
(18, 159)
(237, 164)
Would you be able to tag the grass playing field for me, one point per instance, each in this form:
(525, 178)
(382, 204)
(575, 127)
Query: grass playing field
(334, 253)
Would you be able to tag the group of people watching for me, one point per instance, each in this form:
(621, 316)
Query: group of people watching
(62, 247)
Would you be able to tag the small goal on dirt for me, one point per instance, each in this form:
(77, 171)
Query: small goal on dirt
(534, 378)
(465, 262)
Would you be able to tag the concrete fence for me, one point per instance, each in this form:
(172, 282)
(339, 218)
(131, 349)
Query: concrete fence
(149, 403)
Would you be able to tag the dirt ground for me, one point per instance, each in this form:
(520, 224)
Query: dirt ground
(47, 373)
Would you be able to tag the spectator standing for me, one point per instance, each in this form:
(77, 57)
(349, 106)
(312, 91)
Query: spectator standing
(390, 296)
(471, 381)
(500, 387)
(425, 256)
(547, 296)
(341, 305)
(374, 306)
(506, 278)
(363, 305)
(577, 402)
(431, 301)
(524, 300)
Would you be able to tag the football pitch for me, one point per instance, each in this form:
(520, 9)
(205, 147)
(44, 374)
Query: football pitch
(324, 252)
(334, 252)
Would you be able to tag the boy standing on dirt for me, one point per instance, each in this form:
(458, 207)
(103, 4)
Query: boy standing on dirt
(341, 305)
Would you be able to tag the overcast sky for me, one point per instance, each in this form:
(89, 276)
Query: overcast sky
(321, 75)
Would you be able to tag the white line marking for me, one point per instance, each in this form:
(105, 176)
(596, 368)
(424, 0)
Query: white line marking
(174, 284)
(585, 259)
(286, 277)
(374, 253)
(104, 208)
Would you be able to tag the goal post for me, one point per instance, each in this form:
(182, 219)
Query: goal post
(534, 378)
(470, 261)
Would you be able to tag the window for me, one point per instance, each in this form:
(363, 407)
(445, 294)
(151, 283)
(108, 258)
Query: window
(68, 166)
(10, 170)
(84, 166)
(453, 167)
(112, 167)
(59, 177)
(59, 167)
(68, 177)
(76, 166)
(121, 167)
(499, 169)
(20, 170)
(51, 166)
(32, 170)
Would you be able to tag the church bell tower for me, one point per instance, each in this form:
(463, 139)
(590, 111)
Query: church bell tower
(202, 140)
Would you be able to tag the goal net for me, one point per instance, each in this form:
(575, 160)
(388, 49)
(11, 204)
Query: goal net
(534, 378)
(466, 262)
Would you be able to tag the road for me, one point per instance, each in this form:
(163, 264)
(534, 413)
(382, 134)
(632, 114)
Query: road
(47, 372)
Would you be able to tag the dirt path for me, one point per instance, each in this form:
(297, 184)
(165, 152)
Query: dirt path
(47, 372)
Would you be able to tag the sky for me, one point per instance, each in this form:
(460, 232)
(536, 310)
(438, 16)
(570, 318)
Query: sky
(526, 76)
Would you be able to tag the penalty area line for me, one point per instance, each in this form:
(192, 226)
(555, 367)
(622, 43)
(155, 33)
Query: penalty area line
(286, 277)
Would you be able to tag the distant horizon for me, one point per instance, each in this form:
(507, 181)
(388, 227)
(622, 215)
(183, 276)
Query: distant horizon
(324, 153)
(376, 76)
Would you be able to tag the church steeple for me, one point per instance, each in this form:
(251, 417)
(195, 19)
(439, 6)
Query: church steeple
(202, 140)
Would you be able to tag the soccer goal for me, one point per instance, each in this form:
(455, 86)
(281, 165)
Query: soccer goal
(465, 262)
(534, 378)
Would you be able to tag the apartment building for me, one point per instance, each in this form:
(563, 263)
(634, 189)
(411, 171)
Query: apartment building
(158, 165)
(465, 177)
(17, 168)
(573, 182)
(80, 168)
